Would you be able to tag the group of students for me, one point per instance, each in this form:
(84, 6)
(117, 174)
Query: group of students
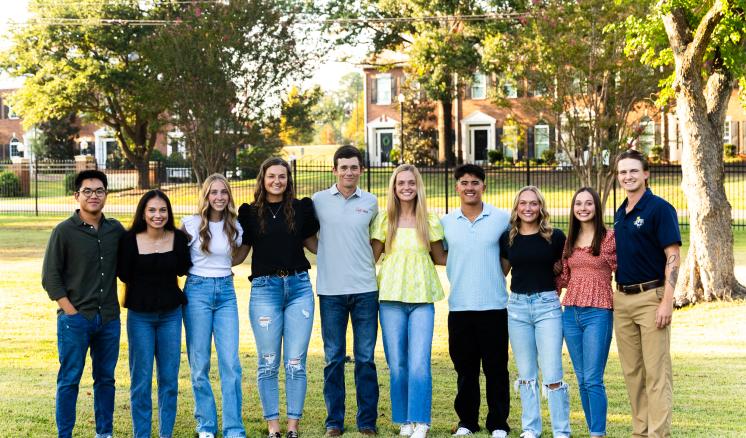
(479, 245)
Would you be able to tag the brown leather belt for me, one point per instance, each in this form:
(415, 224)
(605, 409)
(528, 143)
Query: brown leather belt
(631, 289)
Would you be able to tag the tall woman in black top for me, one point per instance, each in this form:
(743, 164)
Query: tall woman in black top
(151, 257)
(532, 248)
(277, 226)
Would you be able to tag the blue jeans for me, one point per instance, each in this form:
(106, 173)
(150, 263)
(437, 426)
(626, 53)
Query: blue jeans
(535, 331)
(154, 335)
(335, 311)
(407, 331)
(588, 337)
(211, 311)
(75, 334)
(281, 314)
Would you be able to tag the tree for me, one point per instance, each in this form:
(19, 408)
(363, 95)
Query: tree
(91, 69)
(353, 130)
(297, 121)
(224, 68)
(571, 57)
(59, 137)
(706, 44)
(441, 50)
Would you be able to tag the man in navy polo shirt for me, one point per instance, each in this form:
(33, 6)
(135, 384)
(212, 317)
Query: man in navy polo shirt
(477, 317)
(647, 241)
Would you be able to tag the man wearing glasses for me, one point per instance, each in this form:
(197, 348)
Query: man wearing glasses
(79, 272)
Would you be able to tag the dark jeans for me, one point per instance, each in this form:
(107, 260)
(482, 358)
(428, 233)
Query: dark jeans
(75, 334)
(476, 337)
(335, 311)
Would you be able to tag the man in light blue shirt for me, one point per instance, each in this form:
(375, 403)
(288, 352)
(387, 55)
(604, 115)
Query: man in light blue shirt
(347, 289)
(477, 318)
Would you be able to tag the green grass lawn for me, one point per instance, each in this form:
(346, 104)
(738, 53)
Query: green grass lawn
(708, 348)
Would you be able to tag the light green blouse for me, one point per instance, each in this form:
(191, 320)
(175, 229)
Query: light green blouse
(408, 274)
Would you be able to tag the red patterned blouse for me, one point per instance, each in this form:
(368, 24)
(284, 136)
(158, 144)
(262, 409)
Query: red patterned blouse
(588, 278)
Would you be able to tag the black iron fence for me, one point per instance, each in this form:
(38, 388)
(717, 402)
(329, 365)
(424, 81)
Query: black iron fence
(45, 187)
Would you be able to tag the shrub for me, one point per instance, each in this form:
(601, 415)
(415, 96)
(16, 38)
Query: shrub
(549, 156)
(656, 152)
(729, 150)
(493, 155)
(177, 160)
(156, 155)
(10, 185)
(70, 183)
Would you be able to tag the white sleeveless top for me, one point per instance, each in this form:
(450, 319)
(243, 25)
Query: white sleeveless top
(218, 263)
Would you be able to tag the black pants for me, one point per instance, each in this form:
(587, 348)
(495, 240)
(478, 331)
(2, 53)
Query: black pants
(476, 337)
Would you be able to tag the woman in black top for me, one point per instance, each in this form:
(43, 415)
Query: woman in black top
(152, 254)
(532, 249)
(281, 306)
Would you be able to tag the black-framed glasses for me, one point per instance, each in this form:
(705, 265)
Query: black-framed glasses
(100, 193)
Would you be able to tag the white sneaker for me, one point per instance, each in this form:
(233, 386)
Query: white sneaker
(497, 433)
(420, 430)
(528, 434)
(206, 435)
(462, 431)
(406, 429)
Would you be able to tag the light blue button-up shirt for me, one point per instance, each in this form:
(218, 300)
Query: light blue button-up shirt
(474, 271)
(345, 258)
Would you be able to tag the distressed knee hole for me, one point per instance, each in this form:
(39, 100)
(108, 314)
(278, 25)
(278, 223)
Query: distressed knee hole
(525, 383)
(268, 365)
(306, 313)
(294, 366)
(553, 387)
(264, 321)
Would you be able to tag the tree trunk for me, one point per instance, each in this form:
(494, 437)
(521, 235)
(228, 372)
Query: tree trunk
(143, 174)
(708, 272)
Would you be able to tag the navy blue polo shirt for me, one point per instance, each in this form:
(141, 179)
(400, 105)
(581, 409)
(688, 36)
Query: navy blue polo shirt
(641, 235)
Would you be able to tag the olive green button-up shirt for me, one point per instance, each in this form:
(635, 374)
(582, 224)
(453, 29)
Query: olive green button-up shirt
(81, 264)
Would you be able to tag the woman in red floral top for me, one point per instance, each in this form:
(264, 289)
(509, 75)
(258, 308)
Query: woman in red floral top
(588, 261)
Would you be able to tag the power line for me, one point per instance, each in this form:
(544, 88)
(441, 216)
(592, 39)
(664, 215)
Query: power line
(59, 21)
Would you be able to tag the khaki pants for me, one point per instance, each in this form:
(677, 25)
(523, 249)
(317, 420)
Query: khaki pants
(644, 351)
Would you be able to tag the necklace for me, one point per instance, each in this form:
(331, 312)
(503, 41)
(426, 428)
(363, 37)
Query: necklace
(157, 243)
(274, 213)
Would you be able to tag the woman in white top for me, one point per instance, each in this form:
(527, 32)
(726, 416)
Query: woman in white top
(211, 311)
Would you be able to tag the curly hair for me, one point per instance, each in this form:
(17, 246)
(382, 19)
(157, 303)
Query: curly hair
(545, 227)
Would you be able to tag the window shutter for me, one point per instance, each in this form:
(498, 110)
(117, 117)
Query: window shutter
(394, 87)
(499, 139)
(530, 141)
(658, 138)
(552, 134)
(373, 89)
(467, 90)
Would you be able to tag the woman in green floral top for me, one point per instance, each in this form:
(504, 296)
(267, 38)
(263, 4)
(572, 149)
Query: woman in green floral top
(408, 285)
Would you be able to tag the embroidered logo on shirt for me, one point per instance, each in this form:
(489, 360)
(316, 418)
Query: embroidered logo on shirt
(639, 222)
(362, 210)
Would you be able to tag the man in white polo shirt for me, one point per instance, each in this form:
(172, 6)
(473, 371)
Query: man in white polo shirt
(477, 318)
(347, 289)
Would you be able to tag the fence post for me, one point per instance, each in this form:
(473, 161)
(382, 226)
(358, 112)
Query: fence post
(36, 184)
(295, 173)
(445, 182)
(367, 177)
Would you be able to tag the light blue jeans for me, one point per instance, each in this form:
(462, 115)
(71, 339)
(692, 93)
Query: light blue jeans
(407, 331)
(588, 337)
(212, 312)
(154, 335)
(535, 331)
(281, 314)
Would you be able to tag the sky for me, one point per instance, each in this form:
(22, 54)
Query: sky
(327, 75)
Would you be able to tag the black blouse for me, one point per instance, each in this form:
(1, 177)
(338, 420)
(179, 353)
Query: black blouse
(532, 260)
(150, 279)
(277, 248)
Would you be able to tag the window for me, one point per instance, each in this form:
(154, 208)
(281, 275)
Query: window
(647, 135)
(539, 89)
(176, 143)
(14, 147)
(541, 139)
(479, 86)
(383, 89)
(510, 88)
(11, 114)
(727, 136)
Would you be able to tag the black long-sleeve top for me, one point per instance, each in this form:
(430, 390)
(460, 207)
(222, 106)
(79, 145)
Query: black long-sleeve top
(277, 248)
(151, 279)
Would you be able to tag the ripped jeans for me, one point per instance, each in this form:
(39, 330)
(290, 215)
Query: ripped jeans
(535, 331)
(281, 315)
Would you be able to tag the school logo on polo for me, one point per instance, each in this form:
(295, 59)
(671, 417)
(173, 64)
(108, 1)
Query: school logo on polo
(639, 222)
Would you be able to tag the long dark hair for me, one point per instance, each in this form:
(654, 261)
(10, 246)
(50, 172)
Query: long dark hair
(260, 194)
(599, 228)
(138, 222)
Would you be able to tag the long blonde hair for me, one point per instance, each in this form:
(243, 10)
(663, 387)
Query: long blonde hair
(229, 215)
(393, 209)
(545, 227)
